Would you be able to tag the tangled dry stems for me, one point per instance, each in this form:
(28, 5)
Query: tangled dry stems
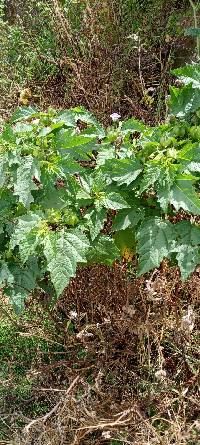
(137, 377)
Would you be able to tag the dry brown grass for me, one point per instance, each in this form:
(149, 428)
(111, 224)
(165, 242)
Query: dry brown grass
(132, 373)
(97, 65)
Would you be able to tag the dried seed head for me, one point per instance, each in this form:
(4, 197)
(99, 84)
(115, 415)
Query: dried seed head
(188, 320)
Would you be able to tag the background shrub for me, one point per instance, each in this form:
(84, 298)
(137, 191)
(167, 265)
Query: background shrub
(87, 52)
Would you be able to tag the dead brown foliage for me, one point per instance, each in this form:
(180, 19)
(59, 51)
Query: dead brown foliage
(133, 370)
(100, 65)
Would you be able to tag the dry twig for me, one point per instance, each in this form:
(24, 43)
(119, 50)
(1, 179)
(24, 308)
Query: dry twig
(44, 418)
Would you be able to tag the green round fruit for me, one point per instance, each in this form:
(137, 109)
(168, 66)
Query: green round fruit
(70, 218)
(195, 133)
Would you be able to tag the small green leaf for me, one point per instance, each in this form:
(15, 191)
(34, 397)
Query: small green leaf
(24, 283)
(44, 132)
(8, 134)
(17, 300)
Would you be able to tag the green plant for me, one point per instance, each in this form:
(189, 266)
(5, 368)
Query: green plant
(28, 47)
(17, 355)
(73, 193)
(195, 32)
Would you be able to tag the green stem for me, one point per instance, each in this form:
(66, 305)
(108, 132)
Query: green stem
(194, 9)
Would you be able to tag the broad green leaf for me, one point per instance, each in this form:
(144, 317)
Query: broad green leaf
(155, 239)
(123, 171)
(98, 182)
(50, 196)
(8, 134)
(95, 221)
(17, 300)
(14, 158)
(66, 139)
(66, 165)
(6, 277)
(81, 114)
(188, 257)
(190, 152)
(193, 166)
(84, 197)
(114, 201)
(104, 155)
(189, 74)
(67, 117)
(21, 127)
(165, 183)
(183, 196)
(126, 243)
(188, 233)
(25, 234)
(184, 101)
(83, 193)
(160, 179)
(29, 246)
(103, 251)
(24, 113)
(132, 125)
(44, 132)
(72, 116)
(24, 283)
(26, 172)
(127, 218)
(3, 168)
(63, 251)
(150, 176)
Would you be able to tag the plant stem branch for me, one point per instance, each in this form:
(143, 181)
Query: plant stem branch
(53, 410)
(194, 9)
